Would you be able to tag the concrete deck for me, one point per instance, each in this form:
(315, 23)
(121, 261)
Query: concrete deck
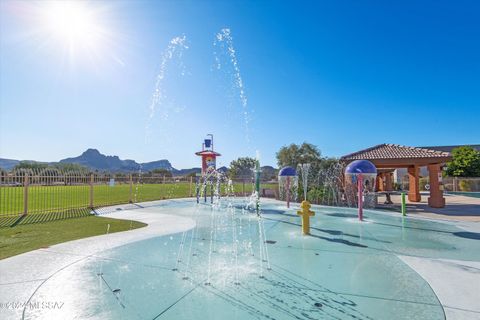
(458, 208)
(21, 275)
(456, 283)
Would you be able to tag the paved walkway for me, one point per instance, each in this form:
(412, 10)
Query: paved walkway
(458, 208)
(456, 284)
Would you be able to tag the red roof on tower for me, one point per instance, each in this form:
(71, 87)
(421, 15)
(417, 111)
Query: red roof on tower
(208, 153)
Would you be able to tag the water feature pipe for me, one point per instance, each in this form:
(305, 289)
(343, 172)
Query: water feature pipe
(257, 184)
(205, 190)
(197, 187)
(361, 169)
(404, 205)
(288, 192)
(211, 191)
(360, 196)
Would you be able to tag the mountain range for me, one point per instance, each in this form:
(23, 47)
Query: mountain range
(95, 160)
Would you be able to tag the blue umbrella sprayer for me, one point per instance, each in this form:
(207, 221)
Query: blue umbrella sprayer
(362, 172)
(287, 180)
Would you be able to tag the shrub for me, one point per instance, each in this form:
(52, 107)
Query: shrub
(465, 185)
(315, 195)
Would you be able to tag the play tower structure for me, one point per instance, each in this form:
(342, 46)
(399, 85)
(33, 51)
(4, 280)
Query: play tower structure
(209, 166)
(209, 157)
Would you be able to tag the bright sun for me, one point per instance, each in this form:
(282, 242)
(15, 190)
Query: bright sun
(70, 20)
(72, 32)
(75, 27)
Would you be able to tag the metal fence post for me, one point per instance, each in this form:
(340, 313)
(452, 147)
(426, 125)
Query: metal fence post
(130, 199)
(91, 191)
(26, 182)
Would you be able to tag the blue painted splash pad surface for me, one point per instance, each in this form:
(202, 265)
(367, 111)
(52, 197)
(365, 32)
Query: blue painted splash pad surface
(345, 270)
(467, 194)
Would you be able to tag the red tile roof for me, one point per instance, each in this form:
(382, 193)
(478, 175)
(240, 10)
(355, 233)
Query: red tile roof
(395, 151)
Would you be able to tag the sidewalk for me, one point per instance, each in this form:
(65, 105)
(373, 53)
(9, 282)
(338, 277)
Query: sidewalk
(457, 208)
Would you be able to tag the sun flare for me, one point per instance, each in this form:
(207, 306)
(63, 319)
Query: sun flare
(73, 22)
(70, 21)
(76, 31)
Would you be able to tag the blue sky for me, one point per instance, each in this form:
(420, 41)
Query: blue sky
(343, 75)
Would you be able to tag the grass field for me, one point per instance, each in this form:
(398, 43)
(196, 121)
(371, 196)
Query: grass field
(54, 211)
(29, 237)
(55, 199)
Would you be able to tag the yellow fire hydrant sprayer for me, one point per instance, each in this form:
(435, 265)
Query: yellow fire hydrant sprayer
(306, 213)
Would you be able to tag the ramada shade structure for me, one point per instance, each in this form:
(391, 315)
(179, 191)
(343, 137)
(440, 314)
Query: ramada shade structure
(388, 157)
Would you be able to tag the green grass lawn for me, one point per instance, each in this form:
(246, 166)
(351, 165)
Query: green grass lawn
(52, 199)
(61, 213)
(23, 238)
(43, 199)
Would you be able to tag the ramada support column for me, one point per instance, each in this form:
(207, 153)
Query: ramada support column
(379, 182)
(436, 199)
(413, 190)
(388, 181)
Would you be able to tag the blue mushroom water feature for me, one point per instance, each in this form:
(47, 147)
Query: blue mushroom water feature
(287, 180)
(363, 172)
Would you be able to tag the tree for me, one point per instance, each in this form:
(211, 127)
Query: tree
(328, 163)
(242, 167)
(465, 162)
(295, 154)
(31, 165)
(3, 175)
(269, 173)
(162, 172)
(192, 174)
(67, 166)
